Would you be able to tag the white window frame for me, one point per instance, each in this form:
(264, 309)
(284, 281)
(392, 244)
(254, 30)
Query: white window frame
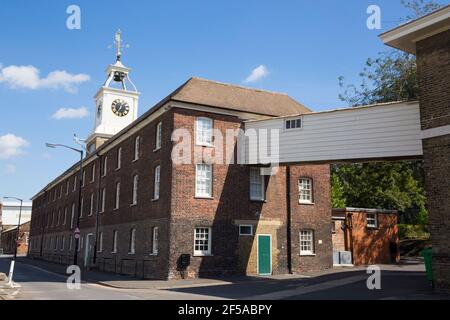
(254, 197)
(100, 242)
(91, 205)
(158, 141)
(307, 242)
(83, 183)
(115, 240)
(103, 203)
(58, 219)
(119, 158)
(63, 240)
(137, 145)
(74, 184)
(81, 207)
(105, 166)
(302, 191)
(135, 190)
(132, 246)
(117, 196)
(203, 134)
(197, 237)
(295, 122)
(207, 179)
(72, 218)
(67, 186)
(157, 183)
(371, 217)
(155, 240)
(93, 173)
(246, 234)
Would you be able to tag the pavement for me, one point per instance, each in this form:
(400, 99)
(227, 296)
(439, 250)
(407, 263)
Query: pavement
(43, 280)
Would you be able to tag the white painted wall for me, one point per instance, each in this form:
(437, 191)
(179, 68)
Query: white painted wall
(371, 132)
(9, 214)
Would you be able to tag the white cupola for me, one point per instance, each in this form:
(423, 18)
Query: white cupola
(116, 102)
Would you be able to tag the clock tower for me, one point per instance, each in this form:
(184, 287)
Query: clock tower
(116, 102)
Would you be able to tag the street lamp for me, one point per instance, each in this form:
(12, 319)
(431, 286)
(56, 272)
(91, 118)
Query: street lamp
(80, 184)
(13, 261)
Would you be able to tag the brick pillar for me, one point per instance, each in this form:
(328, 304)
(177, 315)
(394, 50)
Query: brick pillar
(433, 62)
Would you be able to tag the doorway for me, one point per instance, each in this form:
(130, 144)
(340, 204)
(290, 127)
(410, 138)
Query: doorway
(264, 254)
(88, 249)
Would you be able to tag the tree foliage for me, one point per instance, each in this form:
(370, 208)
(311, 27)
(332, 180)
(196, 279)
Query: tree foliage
(392, 76)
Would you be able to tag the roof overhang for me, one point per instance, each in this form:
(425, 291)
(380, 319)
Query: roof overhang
(407, 35)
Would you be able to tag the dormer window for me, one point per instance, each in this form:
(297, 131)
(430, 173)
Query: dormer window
(293, 124)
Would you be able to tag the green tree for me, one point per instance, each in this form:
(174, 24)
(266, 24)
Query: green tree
(392, 76)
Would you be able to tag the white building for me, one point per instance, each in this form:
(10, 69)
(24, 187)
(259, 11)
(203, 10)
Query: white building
(9, 214)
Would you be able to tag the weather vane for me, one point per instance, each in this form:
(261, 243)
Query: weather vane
(119, 45)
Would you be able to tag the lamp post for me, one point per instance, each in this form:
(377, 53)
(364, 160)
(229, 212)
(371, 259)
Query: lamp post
(13, 261)
(80, 184)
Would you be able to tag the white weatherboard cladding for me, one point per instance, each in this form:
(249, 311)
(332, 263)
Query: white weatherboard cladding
(373, 132)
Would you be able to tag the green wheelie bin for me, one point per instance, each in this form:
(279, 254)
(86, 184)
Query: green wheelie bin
(427, 257)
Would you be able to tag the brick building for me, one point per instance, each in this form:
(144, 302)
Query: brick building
(8, 239)
(429, 39)
(369, 235)
(146, 215)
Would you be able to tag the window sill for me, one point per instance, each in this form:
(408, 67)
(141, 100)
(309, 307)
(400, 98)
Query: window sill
(133, 205)
(204, 197)
(115, 209)
(202, 255)
(153, 254)
(204, 145)
(306, 203)
(117, 169)
(114, 252)
(258, 200)
(131, 253)
(156, 199)
(307, 254)
(157, 149)
(134, 160)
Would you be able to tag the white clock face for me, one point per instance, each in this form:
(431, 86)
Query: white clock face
(120, 107)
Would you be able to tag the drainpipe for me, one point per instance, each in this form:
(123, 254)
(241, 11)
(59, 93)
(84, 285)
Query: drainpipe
(288, 219)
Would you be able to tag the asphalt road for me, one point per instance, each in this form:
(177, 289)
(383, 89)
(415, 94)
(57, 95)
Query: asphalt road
(39, 284)
(397, 282)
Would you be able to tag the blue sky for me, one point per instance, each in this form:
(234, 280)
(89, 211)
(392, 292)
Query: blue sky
(304, 47)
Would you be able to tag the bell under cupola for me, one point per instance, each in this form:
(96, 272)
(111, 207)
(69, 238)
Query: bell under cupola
(116, 102)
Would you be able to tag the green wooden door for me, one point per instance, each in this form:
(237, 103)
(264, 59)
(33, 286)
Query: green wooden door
(264, 255)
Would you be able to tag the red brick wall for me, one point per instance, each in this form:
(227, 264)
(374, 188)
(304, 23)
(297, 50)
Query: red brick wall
(178, 212)
(433, 66)
(316, 217)
(372, 245)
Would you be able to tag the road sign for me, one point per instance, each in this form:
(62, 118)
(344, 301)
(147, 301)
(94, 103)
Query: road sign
(77, 233)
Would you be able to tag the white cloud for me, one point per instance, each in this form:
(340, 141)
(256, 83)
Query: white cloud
(71, 113)
(10, 169)
(12, 146)
(28, 77)
(257, 74)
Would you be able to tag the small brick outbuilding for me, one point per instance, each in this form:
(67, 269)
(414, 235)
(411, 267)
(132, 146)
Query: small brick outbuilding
(365, 236)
